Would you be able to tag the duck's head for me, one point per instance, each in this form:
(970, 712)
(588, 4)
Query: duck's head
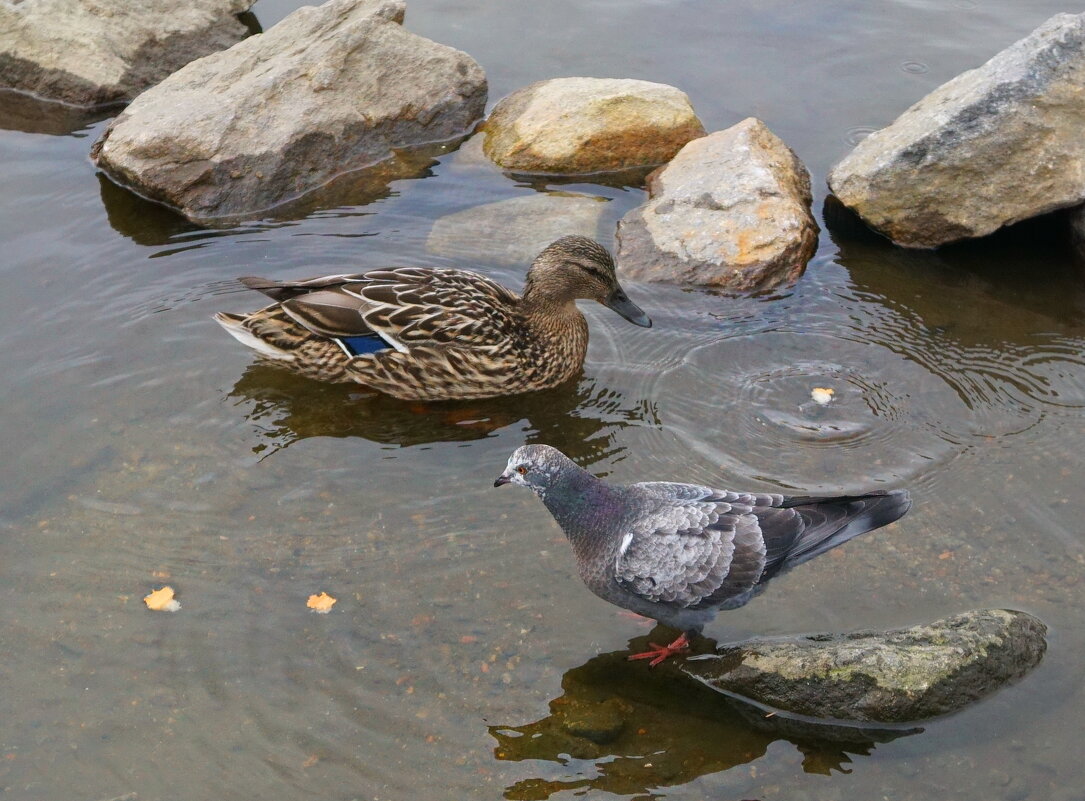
(574, 268)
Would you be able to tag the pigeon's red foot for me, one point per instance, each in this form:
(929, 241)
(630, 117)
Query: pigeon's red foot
(661, 652)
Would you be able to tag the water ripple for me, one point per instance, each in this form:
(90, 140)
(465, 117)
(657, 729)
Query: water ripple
(857, 133)
(733, 382)
(914, 67)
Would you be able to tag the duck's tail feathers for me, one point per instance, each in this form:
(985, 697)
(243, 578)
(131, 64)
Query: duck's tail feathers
(276, 290)
(834, 521)
(285, 290)
(235, 325)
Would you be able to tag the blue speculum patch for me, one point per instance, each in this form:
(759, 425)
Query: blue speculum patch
(359, 346)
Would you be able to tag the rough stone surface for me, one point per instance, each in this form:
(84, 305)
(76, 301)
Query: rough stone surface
(329, 89)
(995, 145)
(584, 125)
(731, 210)
(93, 52)
(512, 232)
(897, 676)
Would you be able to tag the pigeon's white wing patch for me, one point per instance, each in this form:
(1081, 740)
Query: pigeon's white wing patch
(628, 538)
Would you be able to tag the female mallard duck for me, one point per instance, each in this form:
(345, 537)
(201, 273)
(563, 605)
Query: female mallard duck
(426, 334)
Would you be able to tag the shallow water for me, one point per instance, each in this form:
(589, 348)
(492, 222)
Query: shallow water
(143, 446)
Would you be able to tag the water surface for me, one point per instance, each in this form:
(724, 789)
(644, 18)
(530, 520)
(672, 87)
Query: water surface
(143, 446)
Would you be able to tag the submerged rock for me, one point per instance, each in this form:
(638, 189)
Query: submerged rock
(584, 125)
(512, 232)
(731, 210)
(329, 89)
(600, 722)
(896, 676)
(623, 729)
(995, 145)
(94, 52)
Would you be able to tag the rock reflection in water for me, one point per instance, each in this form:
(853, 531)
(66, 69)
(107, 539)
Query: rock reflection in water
(150, 223)
(1003, 287)
(622, 728)
(23, 112)
(581, 417)
(142, 221)
(1008, 344)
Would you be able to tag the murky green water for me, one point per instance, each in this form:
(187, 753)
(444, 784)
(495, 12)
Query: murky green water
(141, 445)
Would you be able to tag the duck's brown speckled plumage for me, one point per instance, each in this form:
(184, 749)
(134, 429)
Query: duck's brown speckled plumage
(449, 333)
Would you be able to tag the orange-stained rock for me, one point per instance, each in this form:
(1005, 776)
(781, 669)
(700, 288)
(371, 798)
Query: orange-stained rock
(731, 210)
(583, 125)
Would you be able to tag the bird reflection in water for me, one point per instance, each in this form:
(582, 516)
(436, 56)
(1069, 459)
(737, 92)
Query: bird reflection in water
(621, 729)
(582, 415)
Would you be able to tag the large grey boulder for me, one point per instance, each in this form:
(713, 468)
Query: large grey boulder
(328, 90)
(584, 125)
(995, 145)
(512, 232)
(731, 210)
(93, 52)
(896, 676)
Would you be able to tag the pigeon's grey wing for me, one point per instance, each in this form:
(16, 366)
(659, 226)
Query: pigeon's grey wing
(691, 547)
(695, 492)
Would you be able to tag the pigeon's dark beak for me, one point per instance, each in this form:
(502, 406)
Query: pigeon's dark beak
(502, 479)
(620, 302)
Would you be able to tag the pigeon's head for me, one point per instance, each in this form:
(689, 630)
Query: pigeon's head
(537, 467)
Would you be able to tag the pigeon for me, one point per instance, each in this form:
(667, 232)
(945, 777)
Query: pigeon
(679, 553)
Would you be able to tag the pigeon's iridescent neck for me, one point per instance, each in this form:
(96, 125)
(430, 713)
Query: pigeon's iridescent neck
(584, 506)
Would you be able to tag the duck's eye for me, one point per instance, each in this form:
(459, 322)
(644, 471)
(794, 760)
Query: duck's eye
(521, 470)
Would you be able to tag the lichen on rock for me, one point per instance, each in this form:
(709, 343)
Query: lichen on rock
(897, 676)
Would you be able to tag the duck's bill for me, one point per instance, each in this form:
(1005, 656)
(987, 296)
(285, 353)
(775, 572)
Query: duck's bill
(620, 302)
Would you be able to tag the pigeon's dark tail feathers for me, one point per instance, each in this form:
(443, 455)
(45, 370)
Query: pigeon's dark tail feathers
(834, 521)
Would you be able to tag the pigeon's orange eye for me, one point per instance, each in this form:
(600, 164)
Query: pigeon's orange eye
(521, 470)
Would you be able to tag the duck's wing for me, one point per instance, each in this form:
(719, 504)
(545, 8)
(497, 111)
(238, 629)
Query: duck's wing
(693, 546)
(320, 305)
(406, 306)
(415, 306)
(455, 333)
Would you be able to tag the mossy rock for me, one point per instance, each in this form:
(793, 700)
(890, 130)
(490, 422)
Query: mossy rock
(896, 676)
